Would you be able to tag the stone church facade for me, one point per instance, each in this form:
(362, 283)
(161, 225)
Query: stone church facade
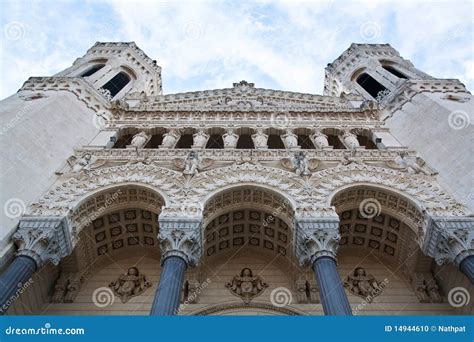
(121, 200)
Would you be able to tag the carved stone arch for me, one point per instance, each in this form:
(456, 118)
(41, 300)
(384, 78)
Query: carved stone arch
(112, 198)
(69, 192)
(382, 199)
(422, 190)
(286, 184)
(232, 308)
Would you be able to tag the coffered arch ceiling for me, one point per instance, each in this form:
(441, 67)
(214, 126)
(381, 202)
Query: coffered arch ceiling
(248, 217)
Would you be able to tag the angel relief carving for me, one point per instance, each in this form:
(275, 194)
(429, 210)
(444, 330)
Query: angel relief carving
(247, 286)
(362, 284)
(192, 163)
(300, 164)
(130, 284)
(411, 164)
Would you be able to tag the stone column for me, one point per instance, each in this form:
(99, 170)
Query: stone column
(317, 241)
(39, 240)
(451, 239)
(181, 246)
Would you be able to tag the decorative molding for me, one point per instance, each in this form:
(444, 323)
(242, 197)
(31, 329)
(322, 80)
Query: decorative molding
(449, 239)
(182, 237)
(43, 239)
(77, 85)
(130, 284)
(316, 238)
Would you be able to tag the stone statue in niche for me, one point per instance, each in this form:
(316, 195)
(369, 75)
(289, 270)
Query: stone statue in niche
(230, 139)
(130, 284)
(362, 284)
(139, 140)
(246, 286)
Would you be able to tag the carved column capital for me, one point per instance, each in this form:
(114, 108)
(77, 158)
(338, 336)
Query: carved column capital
(182, 237)
(449, 239)
(316, 237)
(43, 239)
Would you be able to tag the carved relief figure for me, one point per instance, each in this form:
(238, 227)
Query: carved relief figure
(82, 163)
(139, 140)
(192, 163)
(246, 286)
(362, 284)
(290, 139)
(130, 284)
(260, 139)
(319, 139)
(230, 139)
(411, 164)
(349, 139)
(200, 139)
(170, 139)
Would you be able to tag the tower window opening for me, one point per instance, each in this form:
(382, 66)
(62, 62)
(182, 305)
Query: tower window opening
(215, 141)
(370, 85)
(91, 71)
(186, 141)
(394, 71)
(117, 83)
(274, 142)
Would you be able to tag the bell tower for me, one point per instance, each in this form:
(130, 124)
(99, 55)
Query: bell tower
(51, 115)
(434, 116)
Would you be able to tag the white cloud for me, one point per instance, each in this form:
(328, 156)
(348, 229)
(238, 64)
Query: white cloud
(208, 44)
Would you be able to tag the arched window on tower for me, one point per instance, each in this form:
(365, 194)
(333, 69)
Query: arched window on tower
(394, 71)
(117, 83)
(92, 70)
(370, 85)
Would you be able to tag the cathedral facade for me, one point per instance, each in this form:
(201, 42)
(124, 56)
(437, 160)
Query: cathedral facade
(121, 200)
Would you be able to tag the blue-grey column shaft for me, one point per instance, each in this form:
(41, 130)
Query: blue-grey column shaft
(168, 293)
(13, 278)
(467, 267)
(333, 296)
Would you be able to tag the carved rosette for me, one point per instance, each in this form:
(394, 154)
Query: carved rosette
(43, 239)
(315, 238)
(181, 237)
(449, 239)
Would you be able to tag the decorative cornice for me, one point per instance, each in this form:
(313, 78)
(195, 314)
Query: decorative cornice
(182, 237)
(43, 239)
(449, 239)
(315, 238)
(76, 85)
(408, 89)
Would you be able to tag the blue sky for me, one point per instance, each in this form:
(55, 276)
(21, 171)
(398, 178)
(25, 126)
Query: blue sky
(211, 44)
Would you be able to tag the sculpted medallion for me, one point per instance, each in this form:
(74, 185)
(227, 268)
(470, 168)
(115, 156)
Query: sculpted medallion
(130, 284)
(246, 286)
